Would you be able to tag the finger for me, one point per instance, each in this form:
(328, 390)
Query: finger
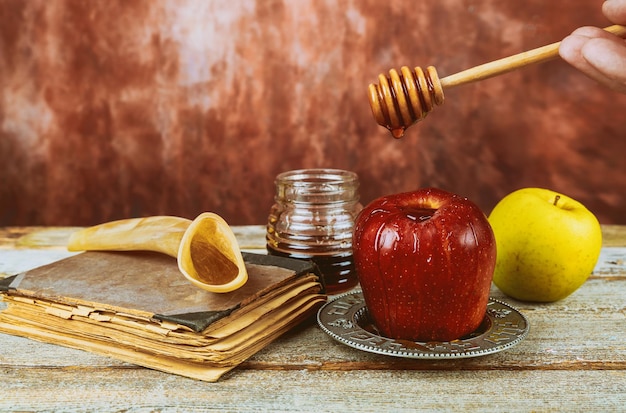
(615, 11)
(570, 51)
(570, 47)
(608, 59)
(594, 32)
(597, 54)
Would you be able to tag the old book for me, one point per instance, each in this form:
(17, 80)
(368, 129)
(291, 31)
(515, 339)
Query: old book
(137, 307)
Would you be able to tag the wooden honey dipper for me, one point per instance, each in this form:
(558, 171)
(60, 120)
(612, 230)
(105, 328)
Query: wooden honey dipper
(406, 97)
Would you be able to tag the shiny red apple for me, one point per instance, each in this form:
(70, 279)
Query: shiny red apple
(425, 260)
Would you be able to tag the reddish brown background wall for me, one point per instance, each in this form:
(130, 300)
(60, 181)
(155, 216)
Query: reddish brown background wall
(114, 109)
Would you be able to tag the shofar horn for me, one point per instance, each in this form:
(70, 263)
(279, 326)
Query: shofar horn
(206, 249)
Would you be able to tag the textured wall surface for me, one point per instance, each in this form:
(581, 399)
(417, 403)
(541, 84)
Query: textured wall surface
(114, 109)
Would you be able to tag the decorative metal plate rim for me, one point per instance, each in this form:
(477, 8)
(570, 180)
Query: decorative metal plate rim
(339, 318)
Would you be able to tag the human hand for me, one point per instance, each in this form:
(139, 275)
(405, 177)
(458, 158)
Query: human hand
(597, 53)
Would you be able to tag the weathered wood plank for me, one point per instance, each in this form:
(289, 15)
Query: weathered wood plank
(249, 236)
(127, 389)
(35, 237)
(613, 235)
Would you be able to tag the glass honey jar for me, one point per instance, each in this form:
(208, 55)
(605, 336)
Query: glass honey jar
(313, 219)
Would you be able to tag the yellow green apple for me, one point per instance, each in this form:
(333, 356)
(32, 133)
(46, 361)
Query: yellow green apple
(547, 244)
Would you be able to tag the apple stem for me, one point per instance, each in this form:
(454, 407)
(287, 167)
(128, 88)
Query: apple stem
(556, 199)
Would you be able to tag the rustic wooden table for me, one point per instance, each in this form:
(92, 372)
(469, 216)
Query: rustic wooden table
(574, 359)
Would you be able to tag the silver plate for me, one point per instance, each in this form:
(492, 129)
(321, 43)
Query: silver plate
(346, 320)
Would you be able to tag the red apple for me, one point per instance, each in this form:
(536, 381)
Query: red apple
(425, 261)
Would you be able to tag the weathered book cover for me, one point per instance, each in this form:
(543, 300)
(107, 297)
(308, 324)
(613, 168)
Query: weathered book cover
(137, 307)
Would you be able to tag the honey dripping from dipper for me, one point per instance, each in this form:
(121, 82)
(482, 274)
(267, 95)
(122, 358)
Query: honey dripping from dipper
(404, 98)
